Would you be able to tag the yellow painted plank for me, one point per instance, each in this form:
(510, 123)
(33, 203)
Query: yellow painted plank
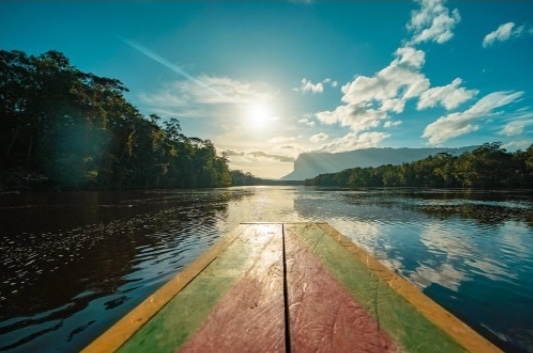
(125, 328)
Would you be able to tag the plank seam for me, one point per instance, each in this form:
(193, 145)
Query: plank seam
(285, 294)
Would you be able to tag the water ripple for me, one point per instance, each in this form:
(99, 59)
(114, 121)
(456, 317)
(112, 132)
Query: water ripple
(95, 256)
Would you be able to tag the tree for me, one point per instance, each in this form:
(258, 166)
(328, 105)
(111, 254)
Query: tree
(78, 129)
(489, 166)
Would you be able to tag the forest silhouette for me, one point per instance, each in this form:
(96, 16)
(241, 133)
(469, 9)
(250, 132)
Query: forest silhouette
(64, 128)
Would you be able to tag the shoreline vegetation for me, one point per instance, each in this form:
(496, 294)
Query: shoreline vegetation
(63, 129)
(487, 167)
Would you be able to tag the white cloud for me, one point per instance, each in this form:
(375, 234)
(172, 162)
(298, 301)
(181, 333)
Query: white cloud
(308, 86)
(449, 96)
(290, 149)
(281, 139)
(432, 22)
(502, 33)
(319, 137)
(261, 156)
(358, 118)
(353, 141)
(392, 123)
(331, 82)
(513, 129)
(261, 164)
(517, 145)
(410, 56)
(517, 125)
(307, 121)
(400, 79)
(456, 124)
(368, 99)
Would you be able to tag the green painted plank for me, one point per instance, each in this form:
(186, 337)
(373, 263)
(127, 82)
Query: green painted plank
(251, 316)
(324, 316)
(401, 320)
(183, 315)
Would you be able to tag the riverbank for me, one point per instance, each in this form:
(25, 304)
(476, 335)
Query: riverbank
(24, 180)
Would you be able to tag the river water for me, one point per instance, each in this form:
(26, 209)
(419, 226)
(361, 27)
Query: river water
(74, 263)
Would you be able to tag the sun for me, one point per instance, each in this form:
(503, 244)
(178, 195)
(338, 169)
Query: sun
(258, 115)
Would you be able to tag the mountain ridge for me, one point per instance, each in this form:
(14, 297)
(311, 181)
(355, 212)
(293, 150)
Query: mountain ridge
(311, 164)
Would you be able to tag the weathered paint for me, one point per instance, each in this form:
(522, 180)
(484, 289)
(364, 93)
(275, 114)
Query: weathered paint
(395, 315)
(264, 287)
(443, 319)
(126, 327)
(413, 320)
(251, 317)
(184, 314)
(324, 317)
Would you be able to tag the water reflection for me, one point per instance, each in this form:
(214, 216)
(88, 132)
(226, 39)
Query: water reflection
(56, 285)
(472, 253)
(73, 263)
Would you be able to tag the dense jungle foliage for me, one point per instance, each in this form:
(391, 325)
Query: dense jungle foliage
(73, 130)
(487, 167)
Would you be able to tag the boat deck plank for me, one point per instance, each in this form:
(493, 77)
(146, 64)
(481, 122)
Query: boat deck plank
(329, 320)
(250, 317)
(288, 287)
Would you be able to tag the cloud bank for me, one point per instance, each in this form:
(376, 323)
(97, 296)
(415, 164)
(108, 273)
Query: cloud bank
(370, 102)
(460, 123)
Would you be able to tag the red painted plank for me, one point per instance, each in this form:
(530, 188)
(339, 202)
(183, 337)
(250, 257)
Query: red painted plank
(250, 318)
(324, 317)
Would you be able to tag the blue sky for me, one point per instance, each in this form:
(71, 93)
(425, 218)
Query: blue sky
(266, 81)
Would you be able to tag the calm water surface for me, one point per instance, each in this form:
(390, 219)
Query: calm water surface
(74, 263)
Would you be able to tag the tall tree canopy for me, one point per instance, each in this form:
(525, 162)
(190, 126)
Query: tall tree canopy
(78, 129)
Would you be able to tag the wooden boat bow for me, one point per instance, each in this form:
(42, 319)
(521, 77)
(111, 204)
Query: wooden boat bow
(288, 287)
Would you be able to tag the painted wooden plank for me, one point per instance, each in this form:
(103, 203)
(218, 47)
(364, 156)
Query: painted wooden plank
(232, 295)
(180, 319)
(251, 317)
(412, 331)
(126, 327)
(402, 320)
(324, 317)
(439, 316)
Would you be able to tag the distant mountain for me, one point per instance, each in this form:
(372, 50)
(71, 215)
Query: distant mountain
(309, 165)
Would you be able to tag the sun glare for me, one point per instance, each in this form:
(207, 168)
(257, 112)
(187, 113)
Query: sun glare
(258, 115)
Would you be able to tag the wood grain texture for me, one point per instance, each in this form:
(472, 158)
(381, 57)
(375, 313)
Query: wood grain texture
(250, 318)
(402, 321)
(126, 327)
(324, 317)
(185, 314)
(440, 317)
(339, 299)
